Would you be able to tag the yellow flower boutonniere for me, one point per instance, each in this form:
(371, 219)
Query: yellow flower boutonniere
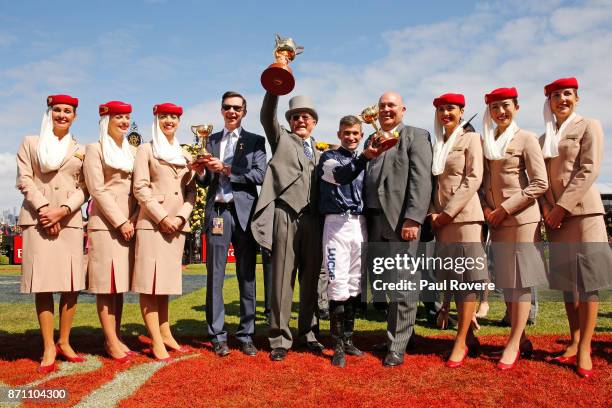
(322, 146)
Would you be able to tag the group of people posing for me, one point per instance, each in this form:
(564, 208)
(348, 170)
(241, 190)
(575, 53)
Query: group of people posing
(311, 205)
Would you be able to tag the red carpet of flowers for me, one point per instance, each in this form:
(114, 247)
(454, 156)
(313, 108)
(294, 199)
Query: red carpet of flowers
(304, 379)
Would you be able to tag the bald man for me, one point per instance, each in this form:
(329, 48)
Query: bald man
(397, 194)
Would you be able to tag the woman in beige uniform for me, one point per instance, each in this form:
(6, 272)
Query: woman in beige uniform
(108, 170)
(165, 189)
(456, 213)
(514, 178)
(580, 258)
(50, 176)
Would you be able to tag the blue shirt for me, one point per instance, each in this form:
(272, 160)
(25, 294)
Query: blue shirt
(341, 175)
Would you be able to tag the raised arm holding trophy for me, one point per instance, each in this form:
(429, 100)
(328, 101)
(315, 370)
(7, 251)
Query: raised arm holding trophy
(286, 216)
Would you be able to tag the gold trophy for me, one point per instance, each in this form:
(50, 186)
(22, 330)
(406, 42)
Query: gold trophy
(202, 132)
(381, 139)
(278, 78)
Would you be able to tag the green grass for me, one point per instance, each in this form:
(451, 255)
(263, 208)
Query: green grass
(187, 314)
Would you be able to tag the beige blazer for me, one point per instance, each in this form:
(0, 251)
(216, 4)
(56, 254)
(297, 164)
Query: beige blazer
(516, 181)
(456, 189)
(66, 186)
(162, 189)
(572, 174)
(110, 189)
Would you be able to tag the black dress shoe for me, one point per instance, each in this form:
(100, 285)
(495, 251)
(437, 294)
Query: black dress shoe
(220, 348)
(350, 349)
(393, 359)
(249, 349)
(278, 354)
(314, 346)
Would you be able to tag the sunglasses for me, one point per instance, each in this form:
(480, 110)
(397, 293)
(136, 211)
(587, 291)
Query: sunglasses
(236, 108)
(306, 117)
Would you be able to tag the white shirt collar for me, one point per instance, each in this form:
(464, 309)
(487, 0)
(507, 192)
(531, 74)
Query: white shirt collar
(235, 131)
(308, 140)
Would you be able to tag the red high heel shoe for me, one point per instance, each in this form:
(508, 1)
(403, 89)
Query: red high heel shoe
(504, 367)
(60, 353)
(122, 360)
(454, 364)
(46, 369)
(584, 373)
(151, 354)
(180, 350)
(565, 360)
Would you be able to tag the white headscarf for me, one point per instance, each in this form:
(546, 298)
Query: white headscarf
(495, 149)
(553, 135)
(120, 158)
(163, 150)
(51, 150)
(441, 148)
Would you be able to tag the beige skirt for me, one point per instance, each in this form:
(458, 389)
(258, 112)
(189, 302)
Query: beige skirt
(518, 262)
(158, 263)
(52, 263)
(109, 267)
(580, 256)
(461, 242)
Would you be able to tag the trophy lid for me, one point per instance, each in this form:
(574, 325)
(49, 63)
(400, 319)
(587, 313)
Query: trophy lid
(369, 114)
(288, 45)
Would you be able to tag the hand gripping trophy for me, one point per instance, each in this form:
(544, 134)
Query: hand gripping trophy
(202, 132)
(381, 139)
(278, 78)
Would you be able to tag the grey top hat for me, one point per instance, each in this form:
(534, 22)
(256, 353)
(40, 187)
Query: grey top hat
(301, 103)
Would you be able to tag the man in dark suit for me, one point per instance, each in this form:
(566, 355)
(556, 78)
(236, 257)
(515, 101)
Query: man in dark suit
(398, 186)
(237, 167)
(286, 221)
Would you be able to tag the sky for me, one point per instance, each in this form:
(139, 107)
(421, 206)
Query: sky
(189, 52)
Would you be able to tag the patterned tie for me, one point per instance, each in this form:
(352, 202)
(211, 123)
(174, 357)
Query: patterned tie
(228, 157)
(307, 149)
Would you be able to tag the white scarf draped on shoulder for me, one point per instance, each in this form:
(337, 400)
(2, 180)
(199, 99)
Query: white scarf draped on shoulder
(163, 150)
(442, 148)
(495, 149)
(120, 158)
(550, 148)
(51, 150)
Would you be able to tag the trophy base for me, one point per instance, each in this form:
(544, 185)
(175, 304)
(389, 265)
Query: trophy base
(387, 143)
(277, 79)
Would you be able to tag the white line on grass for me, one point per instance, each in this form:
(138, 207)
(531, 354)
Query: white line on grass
(123, 385)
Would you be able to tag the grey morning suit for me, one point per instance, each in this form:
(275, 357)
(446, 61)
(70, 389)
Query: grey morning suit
(398, 186)
(286, 221)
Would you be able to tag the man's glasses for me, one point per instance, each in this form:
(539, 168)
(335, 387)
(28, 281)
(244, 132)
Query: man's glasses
(236, 108)
(306, 117)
